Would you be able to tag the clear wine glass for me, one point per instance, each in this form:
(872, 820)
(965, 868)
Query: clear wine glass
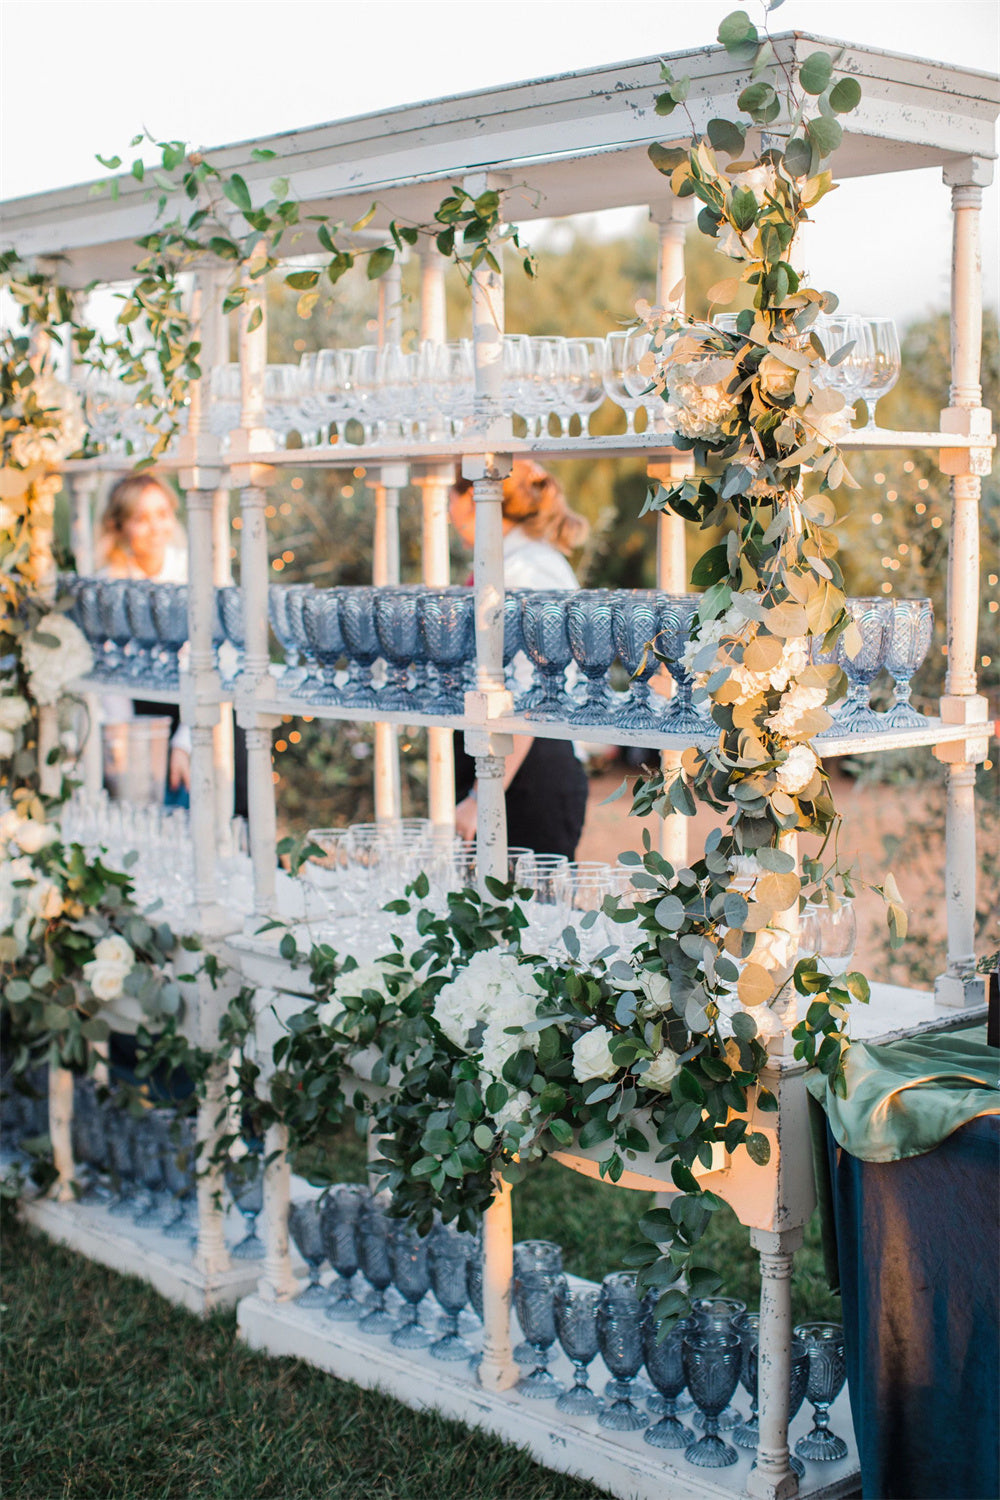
(613, 378)
(339, 1217)
(590, 627)
(712, 1363)
(827, 1371)
(580, 384)
(619, 1335)
(829, 934)
(576, 1325)
(909, 641)
(665, 1368)
(411, 1275)
(638, 344)
(304, 1228)
(882, 362)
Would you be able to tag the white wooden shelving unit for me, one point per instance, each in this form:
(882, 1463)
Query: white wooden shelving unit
(564, 145)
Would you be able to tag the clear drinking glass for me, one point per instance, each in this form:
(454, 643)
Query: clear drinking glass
(576, 1325)
(882, 362)
(590, 627)
(614, 379)
(619, 1335)
(829, 934)
(909, 641)
(712, 1363)
(304, 1228)
(338, 1220)
(827, 1371)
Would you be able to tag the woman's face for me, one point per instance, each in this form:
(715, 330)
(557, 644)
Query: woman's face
(149, 529)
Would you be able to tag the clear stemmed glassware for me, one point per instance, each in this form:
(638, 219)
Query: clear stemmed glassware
(397, 625)
(180, 1173)
(847, 375)
(613, 378)
(321, 623)
(170, 616)
(545, 912)
(448, 1255)
(357, 624)
(581, 890)
(909, 641)
(373, 1231)
(409, 1255)
(580, 382)
(338, 1220)
(634, 625)
(447, 623)
(829, 934)
(873, 617)
(746, 1326)
(590, 627)
(827, 1370)
(712, 1363)
(716, 1316)
(674, 616)
(881, 362)
(546, 641)
(576, 1324)
(665, 1368)
(245, 1181)
(534, 1299)
(639, 343)
(619, 1337)
(304, 1228)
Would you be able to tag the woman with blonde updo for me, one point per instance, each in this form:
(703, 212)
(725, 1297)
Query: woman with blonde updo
(544, 781)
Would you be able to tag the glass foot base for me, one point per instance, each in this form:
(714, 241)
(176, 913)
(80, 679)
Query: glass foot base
(251, 1248)
(623, 1416)
(687, 721)
(746, 1435)
(821, 1446)
(344, 1310)
(725, 1421)
(711, 1453)
(540, 1386)
(451, 1349)
(378, 1321)
(668, 1433)
(410, 1336)
(581, 1400)
(312, 1295)
(902, 716)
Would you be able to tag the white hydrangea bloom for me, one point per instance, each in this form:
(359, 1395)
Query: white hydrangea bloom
(515, 1112)
(697, 406)
(492, 986)
(14, 711)
(64, 433)
(797, 770)
(51, 668)
(352, 984)
(794, 704)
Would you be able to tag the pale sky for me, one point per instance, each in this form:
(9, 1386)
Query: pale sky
(79, 77)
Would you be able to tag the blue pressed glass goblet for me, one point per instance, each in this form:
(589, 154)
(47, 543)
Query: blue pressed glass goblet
(117, 630)
(278, 596)
(397, 625)
(799, 1378)
(121, 1150)
(665, 1367)
(357, 624)
(294, 611)
(534, 1255)
(409, 1255)
(534, 1299)
(576, 1325)
(448, 1256)
(546, 641)
(90, 1147)
(909, 641)
(87, 614)
(873, 617)
(139, 613)
(180, 1173)
(150, 1145)
(716, 1316)
(339, 1218)
(304, 1228)
(374, 1229)
(245, 1181)
(712, 1370)
(634, 621)
(516, 664)
(231, 615)
(827, 1370)
(447, 623)
(321, 623)
(170, 617)
(619, 1337)
(747, 1328)
(590, 625)
(675, 614)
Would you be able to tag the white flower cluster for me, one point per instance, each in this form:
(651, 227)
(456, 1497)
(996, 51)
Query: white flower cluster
(797, 770)
(352, 984)
(592, 1060)
(14, 714)
(493, 992)
(63, 433)
(110, 966)
(27, 901)
(52, 668)
(26, 834)
(697, 402)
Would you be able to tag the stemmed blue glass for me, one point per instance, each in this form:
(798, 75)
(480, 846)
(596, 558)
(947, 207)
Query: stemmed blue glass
(121, 1151)
(231, 615)
(180, 1173)
(245, 1181)
(909, 641)
(397, 625)
(447, 622)
(634, 624)
(170, 617)
(717, 1316)
(576, 1325)
(546, 641)
(448, 1256)
(747, 1328)
(534, 1299)
(534, 1255)
(873, 617)
(665, 1367)
(411, 1276)
(827, 1371)
(295, 601)
(278, 596)
(675, 615)
(321, 622)
(150, 1148)
(87, 613)
(139, 613)
(619, 1337)
(373, 1231)
(90, 1146)
(590, 625)
(117, 630)
(513, 646)
(339, 1218)
(357, 624)
(304, 1228)
(712, 1364)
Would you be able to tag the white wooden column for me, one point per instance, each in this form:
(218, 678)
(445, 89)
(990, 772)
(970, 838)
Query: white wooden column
(60, 1133)
(278, 1282)
(772, 1478)
(962, 704)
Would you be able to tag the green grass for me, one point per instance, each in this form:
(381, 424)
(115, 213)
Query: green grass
(110, 1393)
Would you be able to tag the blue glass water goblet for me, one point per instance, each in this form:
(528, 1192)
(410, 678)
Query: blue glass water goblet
(746, 1326)
(518, 671)
(231, 615)
(139, 613)
(716, 1316)
(634, 624)
(150, 1145)
(245, 1181)
(117, 630)
(357, 624)
(873, 617)
(448, 1255)
(546, 641)
(590, 626)
(799, 1379)
(373, 1231)
(304, 1228)
(321, 622)
(294, 611)
(712, 1365)
(397, 625)
(534, 1255)
(447, 623)
(534, 1299)
(827, 1371)
(909, 641)
(675, 616)
(180, 1173)
(170, 617)
(619, 1338)
(339, 1218)
(665, 1367)
(409, 1255)
(576, 1326)
(121, 1149)
(90, 1148)
(278, 595)
(87, 614)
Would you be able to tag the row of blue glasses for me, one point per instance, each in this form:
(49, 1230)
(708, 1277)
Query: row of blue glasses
(895, 635)
(135, 627)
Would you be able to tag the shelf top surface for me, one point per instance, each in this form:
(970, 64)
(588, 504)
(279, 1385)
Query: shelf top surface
(570, 143)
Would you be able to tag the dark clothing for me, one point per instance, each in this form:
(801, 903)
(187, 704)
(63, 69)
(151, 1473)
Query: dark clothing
(546, 801)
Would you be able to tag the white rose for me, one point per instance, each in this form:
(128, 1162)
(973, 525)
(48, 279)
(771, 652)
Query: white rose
(592, 1055)
(661, 1070)
(774, 949)
(768, 1024)
(776, 378)
(30, 836)
(759, 180)
(105, 979)
(830, 427)
(656, 989)
(44, 900)
(797, 770)
(113, 949)
(14, 711)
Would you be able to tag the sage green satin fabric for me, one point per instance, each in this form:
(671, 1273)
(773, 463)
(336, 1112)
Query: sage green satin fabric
(906, 1097)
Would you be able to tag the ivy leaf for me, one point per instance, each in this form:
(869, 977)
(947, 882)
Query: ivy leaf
(237, 192)
(380, 260)
(758, 1148)
(845, 96)
(815, 72)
